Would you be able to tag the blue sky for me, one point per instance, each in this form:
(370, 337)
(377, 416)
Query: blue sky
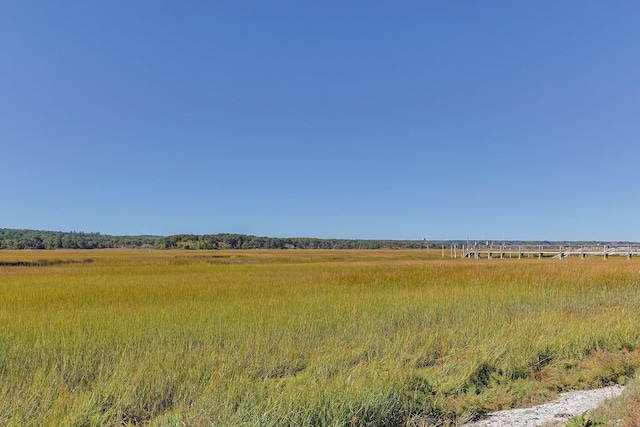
(446, 119)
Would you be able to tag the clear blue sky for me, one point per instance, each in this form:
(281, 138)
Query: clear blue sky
(446, 119)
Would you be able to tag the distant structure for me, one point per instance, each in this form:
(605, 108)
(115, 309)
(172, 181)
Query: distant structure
(491, 250)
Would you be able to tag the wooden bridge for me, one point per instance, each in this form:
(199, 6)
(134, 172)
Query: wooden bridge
(490, 251)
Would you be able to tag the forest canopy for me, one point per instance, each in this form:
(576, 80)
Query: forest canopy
(38, 239)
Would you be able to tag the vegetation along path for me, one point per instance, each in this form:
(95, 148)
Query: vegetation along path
(571, 404)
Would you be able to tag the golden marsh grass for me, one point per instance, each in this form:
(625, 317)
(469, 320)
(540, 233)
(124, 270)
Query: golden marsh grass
(304, 338)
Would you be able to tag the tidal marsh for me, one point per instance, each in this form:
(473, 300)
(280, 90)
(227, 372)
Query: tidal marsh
(304, 338)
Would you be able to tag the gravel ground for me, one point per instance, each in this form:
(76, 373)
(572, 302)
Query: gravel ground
(567, 405)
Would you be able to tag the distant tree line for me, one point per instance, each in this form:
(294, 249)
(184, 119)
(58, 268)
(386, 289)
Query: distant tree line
(37, 239)
(242, 241)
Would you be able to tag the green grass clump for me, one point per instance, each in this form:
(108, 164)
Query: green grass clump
(623, 411)
(305, 338)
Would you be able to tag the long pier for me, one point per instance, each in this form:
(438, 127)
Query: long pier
(540, 251)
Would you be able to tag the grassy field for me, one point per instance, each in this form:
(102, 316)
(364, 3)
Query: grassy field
(304, 338)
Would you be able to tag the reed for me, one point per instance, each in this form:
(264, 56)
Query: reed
(304, 338)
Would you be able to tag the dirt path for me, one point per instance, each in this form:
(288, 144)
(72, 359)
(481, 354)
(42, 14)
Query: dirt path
(567, 405)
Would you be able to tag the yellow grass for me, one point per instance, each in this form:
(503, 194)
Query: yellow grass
(266, 338)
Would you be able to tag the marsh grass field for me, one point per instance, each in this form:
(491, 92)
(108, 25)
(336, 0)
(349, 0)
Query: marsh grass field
(304, 338)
